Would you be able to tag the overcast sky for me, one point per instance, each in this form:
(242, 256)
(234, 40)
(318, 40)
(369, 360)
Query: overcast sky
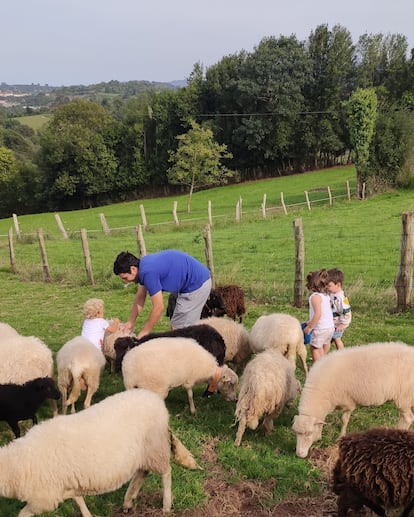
(68, 42)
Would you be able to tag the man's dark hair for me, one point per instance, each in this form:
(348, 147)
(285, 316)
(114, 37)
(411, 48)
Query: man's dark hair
(124, 261)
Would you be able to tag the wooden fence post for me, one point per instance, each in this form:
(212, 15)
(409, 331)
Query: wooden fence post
(307, 199)
(348, 191)
(16, 226)
(209, 252)
(404, 279)
(298, 287)
(176, 221)
(45, 264)
(282, 200)
(264, 206)
(60, 226)
(87, 256)
(104, 224)
(143, 217)
(11, 251)
(210, 217)
(141, 243)
(238, 211)
(330, 195)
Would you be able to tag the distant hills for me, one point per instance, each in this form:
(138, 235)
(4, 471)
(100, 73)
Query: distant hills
(27, 98)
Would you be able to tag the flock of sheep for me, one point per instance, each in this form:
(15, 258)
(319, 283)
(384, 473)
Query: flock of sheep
(255, 369)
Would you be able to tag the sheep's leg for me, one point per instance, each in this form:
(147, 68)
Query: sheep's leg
(240, 431)
(54, 407)
(133, 488)
(26, 512)
(15, 427)
(64, 393)
(166, 495)
(89, 394)
(346, 415)
(75, 393)
(82, 506)
(302, 356)
(268, 423)
(406, 418)
(190, 400)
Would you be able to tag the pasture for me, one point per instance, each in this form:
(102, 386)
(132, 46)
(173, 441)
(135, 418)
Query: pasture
(360, 237)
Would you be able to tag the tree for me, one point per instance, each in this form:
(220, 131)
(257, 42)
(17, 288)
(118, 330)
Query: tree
(362, 107)
(196, 162)
(8, 171)
(77, 157)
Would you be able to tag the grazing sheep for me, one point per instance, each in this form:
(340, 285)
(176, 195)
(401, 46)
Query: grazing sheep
(95, 451)
(267, 384)
(233, 298)
(7, 331)
(375, 468)
(108, 342)
(205, 336)
(22, 401)
(23, 358)
(282, 332)
(79, 365)
(214, 305)
(168, 362)
(223, 300)
(236, 337)
(366, 375)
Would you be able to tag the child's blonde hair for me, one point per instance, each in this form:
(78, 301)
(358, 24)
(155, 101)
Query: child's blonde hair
(93, 308)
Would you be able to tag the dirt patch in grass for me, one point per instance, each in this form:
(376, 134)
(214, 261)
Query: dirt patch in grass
(247, 497)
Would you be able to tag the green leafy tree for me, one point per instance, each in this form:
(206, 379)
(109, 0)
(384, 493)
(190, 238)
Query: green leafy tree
(8, 172)
(77, 157)
(331, 53)
(362, 108)
(197, 161)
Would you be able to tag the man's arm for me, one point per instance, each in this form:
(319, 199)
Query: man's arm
(137, 306)
(157, 311)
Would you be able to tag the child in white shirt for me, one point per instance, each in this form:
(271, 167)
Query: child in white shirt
(320, 314)
(94, 324)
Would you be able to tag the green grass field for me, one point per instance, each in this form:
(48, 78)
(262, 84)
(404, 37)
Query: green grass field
(34, 121)
(360, 237)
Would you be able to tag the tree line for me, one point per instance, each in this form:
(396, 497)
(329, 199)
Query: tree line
(286, 107)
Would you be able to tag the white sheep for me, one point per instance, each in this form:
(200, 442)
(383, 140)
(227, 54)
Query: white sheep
(108, 343)
(282, 332)
(236, 338)
(23, 358)
(366, 375)
(79, 367)
(267, 385)
(94, 451)
(7, 331)
(164, 363)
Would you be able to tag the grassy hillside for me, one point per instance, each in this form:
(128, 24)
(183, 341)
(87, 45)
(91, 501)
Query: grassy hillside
(360, 237)
(36, 122)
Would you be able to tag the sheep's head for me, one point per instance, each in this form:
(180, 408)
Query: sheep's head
(121, 347)
(228, 383)
(308, 429)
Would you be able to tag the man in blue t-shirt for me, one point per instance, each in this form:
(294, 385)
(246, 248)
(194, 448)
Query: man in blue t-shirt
(169, 270)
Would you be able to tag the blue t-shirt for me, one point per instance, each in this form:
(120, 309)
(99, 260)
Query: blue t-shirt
(172, 271)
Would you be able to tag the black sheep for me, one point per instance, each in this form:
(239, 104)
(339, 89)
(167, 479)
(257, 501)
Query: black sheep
(375, 468)
(21, 401)
(205, 335)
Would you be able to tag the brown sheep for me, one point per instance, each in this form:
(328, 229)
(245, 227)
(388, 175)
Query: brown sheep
(375, 468)
(233, 298)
